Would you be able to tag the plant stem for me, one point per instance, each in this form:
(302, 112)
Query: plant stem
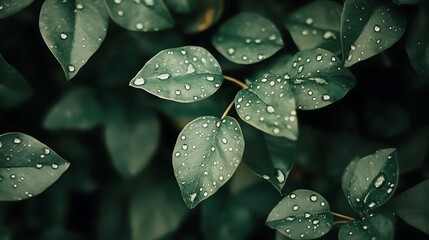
(342, 216)
(340, 222)
(231, 79)
(227, 109)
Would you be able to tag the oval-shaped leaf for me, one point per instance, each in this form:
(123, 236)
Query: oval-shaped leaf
(13, 87)
(370, 181)
(248, 38)
(27, 167)
(268, 104)
(417, 41)
(181, 6)
(411, 205)
(73, 31)
(136, 15)
(206, 155)
(132, 137)
(303, 214)
(316, 25)
(318, 78)
(368, 28)
(185, 74)
(373, 226)
(79, 109)
(269, 157)
(10, 7)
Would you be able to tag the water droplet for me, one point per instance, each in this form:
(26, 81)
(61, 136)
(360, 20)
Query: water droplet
(184, 147)
(379, 181)
(205, 194)
(1, 144)
(15, 185)
(244, 58)
(177, 92)
(139, 26)
(79, 6)
(307, 215)
(270, 109)
(266, 177)
(322, 204)
(257, 41)
(63, 35)
(319, 57)
(248, 40)
(365, 227)
(71, 68)
(328, 34)
(187, 86)
(39, 165)
(117, 1)
(326, 97)
(231, 51)
(377, 28)
(309, 21)
(224, 140)
(292, 196)
(310, 92)
(17, 140)
(280, 176)
(163, 76)
(247, 118)
(120, 13)
(371, 205)
(300, 68)
(192, 197)
(191, 69)
(315, 221)
(272, 37)
(210, 78)
(54, 165)
(304, 32)
(260, 57)
(313, 198)
(13, 176)
(139, 81)
(295, 207)
(149, 2)
(276, 131)
(221, 178)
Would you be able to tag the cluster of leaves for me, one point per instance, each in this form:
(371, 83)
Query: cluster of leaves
(330, 37)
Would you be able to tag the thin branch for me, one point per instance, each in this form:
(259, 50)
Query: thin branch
(239, 83)
(340, 222)
(342, 216)
(227, 109)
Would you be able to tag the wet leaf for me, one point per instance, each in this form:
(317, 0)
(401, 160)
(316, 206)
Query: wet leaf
(411, 206)
(316, 25)
(73, 31)
(318, 78)
(185, 74)
(79, 109)
(247, 38)
(144, 15)
(373, 226)
(303, 214)
(10, 7)
(417, 41)
(399, 2)
(181, 6)
(13, 87)
(268, 105)
(206, 155)
(368, 28)
(132, 137)
(370, 181)
(269, 157)
(155, 211)
(27, 167)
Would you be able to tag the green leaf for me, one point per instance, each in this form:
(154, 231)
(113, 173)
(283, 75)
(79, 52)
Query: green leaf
(206, 155)
(204, 15)
(155, 211)
(269, 157)
(73, 31)
(316, 25)
(27, 167)
(10, 7)
(13, 87)
(370, 181)
(373, 226)
(318, 78)
(399, 2)
(185, 74)
(303, 214)
(411, 206)
(368, 28)
(268, 104)
(79, 109)
(248, 38)
(132, 137)
(145, 15)
(181, 6)
(417, 42)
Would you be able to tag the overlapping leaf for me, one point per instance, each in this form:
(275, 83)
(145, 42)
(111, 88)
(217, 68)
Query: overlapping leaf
(370, 181)
(73, 31)
(318, 78)
(303, 214)
(268, 104)
(136, 15)
(185, 74)
(13, 87)
(369, 27)
(27, 167)
(10, 7)
(248, 38)
(206, 155)
(373, 226)
(316, 25)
